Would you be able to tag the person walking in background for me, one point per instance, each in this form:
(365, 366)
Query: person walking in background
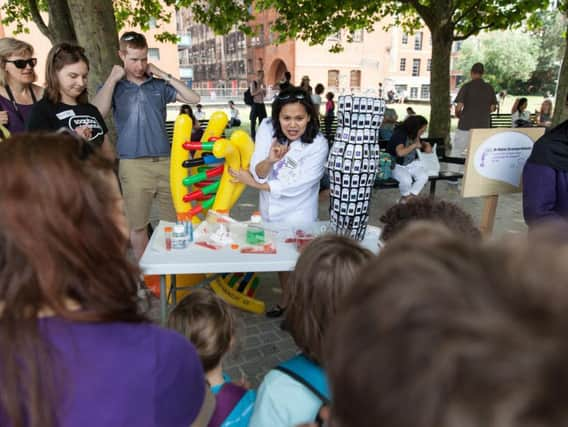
(285, 82)
(316, 98)
(474, 103)
(199, 113)
(18, 93)
(234, 120)
(258, 109)
(138, 93)
(329, 115)
(305, 85)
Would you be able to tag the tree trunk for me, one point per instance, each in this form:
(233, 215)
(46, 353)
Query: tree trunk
(98, 35)
(560, 110)
(439, 126)
(60, 26)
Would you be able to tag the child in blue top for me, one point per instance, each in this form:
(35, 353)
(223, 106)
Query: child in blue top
(206, 320)
(294, 392)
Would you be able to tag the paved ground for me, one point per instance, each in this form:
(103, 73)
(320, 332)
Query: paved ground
(261, 343)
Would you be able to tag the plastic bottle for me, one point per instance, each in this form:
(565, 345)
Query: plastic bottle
(179, 237)
(255, 233)
(168, 233)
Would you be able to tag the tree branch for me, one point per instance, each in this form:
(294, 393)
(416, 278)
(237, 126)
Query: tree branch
(472, 32)
(36, 16)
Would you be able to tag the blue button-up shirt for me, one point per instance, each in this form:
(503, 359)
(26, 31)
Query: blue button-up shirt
(140, 114)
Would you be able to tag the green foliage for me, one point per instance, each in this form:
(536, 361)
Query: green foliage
(508, 56)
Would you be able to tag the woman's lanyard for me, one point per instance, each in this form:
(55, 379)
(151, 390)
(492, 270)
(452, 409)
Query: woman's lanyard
(15, 105)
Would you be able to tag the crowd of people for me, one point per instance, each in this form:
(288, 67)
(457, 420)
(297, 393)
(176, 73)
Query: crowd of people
(466, 331)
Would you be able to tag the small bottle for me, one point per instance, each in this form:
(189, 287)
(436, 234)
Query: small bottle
(179, 237)
(188, 231)
(255, 218)
(168, 233)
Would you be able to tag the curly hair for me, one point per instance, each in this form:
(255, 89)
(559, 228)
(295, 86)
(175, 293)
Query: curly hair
(397, 217)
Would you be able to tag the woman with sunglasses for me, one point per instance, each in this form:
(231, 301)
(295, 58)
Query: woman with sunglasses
(18, 92)
(65, 104)
(288, 163)
(76, 350)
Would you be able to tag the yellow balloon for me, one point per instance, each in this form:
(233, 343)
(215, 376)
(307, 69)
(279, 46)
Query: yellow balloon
(182, 133)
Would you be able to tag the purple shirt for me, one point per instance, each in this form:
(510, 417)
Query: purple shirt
(545, 193)
(124, 374)
(15, 123)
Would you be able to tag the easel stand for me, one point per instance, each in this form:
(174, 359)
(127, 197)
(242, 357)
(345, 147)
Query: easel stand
(488, 215)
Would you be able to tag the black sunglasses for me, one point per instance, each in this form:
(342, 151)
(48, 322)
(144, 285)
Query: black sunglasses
(128, 37)
(287, 97)
(22, 63)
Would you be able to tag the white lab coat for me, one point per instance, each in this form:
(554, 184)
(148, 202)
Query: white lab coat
(294, 180)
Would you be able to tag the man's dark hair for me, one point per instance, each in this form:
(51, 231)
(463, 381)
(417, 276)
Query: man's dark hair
(477, 68)
(287, 76)
(399, 216)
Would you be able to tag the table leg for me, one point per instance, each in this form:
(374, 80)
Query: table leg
(163, 300)
(173, 289)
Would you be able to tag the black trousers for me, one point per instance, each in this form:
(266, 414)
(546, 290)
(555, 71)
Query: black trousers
(257, 111)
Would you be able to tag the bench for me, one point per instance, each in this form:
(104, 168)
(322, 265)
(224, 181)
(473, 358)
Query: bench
(444, 175)
(504, 120)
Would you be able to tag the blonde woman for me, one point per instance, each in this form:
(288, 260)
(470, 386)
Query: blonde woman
(545, 114)
(17, 89)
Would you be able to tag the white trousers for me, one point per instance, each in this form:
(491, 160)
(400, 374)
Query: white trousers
(460, 147)
(411, 178)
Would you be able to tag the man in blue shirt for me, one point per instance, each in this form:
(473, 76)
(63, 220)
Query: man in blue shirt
(138, 93)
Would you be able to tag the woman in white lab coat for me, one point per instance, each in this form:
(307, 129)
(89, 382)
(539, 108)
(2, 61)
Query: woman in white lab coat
(288, 163)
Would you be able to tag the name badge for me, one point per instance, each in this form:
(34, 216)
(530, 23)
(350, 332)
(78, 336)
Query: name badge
(65, 114)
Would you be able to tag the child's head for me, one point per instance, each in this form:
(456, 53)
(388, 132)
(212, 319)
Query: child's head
(231, 104)
(329, 96)
(467, 333)
(323, 274)
(199, 107)
(319, 89)
(206, 320)
(294, 117)
(66, 73)
(399, 216)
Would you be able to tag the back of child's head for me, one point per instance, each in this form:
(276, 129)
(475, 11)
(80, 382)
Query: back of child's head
(329, 95)
(207, 321)
(399, 216)
(324, 272)
(443, 331)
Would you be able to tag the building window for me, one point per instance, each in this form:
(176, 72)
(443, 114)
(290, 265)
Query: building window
(413, 93)
(425, 92)
(429, 65)
(154, 54)
(418, 41)
(357, 36)
(334, 37)
(355, 79)
(415, 67)
(333, 78)
(402, 64)
(404, 38)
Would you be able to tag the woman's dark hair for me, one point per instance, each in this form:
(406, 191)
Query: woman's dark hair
(208, 322)
(186, 109)
(412, 124)
(319, 89)
(323, 274)
(60, 241)
(522, 101)
(295, 95)
(59, 56)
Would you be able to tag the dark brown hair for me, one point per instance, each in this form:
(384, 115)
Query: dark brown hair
(133, 40)
(59, 56)
(448, 332)
(398, 216)
(59, 240)
(323, 274)
(207, 321)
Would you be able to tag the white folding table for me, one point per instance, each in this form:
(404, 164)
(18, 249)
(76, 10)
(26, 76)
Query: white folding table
(196, 259)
